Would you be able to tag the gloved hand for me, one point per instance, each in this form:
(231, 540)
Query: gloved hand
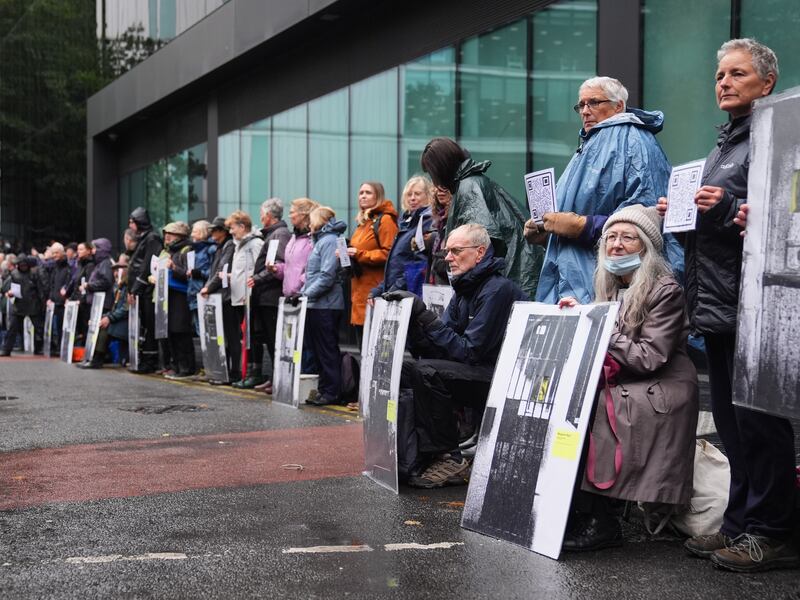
(565, 224)
(533, 234)
(293, 299)
(197, 274)
(416, 309)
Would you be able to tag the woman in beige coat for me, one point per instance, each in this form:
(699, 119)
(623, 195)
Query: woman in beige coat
(652, 416)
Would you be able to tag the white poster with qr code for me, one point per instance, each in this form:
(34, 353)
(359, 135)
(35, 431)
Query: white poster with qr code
(684, 182)
(540, 188)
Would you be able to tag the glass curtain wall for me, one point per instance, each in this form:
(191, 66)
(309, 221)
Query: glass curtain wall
(171, 189)
(775, 23)
(505, 95)
(679, 69)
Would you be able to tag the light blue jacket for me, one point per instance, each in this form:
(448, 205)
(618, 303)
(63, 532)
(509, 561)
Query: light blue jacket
(322, 286)
(619, 163)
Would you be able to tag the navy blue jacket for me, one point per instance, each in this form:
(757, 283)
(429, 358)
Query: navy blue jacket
(472, 328)
(401, 254)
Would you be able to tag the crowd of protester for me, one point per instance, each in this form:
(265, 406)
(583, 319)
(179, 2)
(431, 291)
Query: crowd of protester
(604, 243)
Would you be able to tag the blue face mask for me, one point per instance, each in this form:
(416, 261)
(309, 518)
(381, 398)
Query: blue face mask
(622, 265)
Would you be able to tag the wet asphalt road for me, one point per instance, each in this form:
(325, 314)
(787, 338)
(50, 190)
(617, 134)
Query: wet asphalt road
(84, 512)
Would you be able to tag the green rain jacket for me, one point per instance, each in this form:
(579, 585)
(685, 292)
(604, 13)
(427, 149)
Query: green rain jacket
(478, 199)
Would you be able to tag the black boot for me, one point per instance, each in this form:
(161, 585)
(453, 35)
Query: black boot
(592, 532)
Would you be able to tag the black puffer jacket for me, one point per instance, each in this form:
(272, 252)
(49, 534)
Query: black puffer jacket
(85, 268)
(472, 328)
(223, 256)
(713, 252)
(58, 277)
(268, 288)
(148, 244)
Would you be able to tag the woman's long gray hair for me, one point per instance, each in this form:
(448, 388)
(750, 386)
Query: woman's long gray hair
(634, 307)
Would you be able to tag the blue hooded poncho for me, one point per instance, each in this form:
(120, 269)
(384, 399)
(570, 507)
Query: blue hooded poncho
(619, 163)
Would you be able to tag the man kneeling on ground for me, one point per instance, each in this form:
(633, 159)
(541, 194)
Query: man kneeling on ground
(456, 353)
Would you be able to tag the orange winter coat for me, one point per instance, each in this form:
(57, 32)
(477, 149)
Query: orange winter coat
(371, 256)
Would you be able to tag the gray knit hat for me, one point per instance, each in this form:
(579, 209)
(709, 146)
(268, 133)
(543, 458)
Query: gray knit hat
(645, 218)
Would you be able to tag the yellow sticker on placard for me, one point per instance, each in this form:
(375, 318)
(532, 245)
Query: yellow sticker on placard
(391, 411)
(296, 357)
(220, 341)
(565, 444)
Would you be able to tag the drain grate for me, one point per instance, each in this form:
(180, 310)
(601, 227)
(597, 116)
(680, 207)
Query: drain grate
(160, 409)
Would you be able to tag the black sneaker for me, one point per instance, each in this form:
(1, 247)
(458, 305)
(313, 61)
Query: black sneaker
(593, 532)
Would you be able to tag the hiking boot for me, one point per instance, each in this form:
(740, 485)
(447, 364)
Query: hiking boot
(705, 545)
(444, 471)
(750, 553)
(593, 532)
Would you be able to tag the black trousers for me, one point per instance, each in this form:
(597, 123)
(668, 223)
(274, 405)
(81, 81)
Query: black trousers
(760, 448)
(148, 346)
(265, 319)
(322, 334)
(15, 329)
(440, 388)
(55, 335)
(232, 324)
(181, 348)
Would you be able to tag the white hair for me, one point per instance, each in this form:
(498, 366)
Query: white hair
(763, 58)
(611, 87)
(56, 247)
(272, 206)
(477, 234)
(634, 305)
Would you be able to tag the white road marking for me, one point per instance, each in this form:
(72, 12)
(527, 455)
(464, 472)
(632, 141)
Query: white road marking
(415, 546)
(324, 549)
(94, 560)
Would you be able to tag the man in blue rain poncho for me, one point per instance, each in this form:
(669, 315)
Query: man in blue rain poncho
(618, 163)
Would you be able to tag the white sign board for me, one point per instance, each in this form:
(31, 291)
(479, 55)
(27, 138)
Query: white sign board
(289, 352)
(341, 248)
(535, 423)
(436, 297)
(379, 389)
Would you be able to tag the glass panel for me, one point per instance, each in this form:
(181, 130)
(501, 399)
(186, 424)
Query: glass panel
(428, 106)
(327, 151)
(138, 189)
(125, 208)
(679, 71)
(564, 56)
(228, 182)
(255, 167)
(289, 160)
(177, 184)
(493, 95)
(157, 193)
(197, 172)
(373, 149)
(775, 23)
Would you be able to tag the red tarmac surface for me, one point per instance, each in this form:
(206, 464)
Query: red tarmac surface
(143, 467)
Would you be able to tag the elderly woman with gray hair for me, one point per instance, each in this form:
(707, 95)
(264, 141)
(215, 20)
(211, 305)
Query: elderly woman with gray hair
(618, 163)
(266, 293)
(757, 526)
(646, 414)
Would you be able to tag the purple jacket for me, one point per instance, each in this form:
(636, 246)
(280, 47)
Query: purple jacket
(293, 271)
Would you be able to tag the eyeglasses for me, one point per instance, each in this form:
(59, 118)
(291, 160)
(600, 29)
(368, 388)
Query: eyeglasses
(456, 250)
(626, 238)
(592, 104)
